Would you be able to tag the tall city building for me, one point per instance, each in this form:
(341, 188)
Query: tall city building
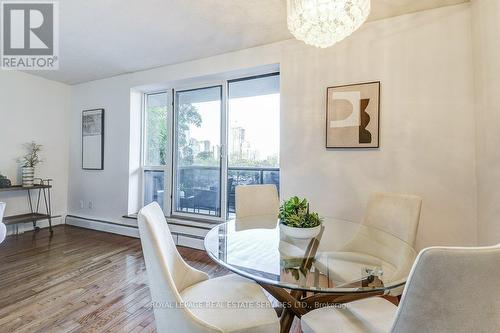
(237, 142)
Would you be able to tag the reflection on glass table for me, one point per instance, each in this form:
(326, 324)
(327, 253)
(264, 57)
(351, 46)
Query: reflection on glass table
(347, 253)
(347, 261)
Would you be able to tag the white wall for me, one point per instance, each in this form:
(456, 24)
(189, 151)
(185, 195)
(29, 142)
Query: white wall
(32, 108)
(109, 189)
(486, 34)
(424, 61)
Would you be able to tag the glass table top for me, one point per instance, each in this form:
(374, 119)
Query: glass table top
(345, 257)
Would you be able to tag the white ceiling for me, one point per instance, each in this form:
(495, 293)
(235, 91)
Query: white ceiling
(100, 39)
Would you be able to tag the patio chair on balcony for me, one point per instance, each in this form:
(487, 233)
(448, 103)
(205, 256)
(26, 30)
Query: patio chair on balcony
(207, 200)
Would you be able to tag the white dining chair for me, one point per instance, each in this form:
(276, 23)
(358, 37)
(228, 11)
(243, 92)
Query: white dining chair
(256, 200)
(186, 300)
(3, 228)
(398, 214)
(449, 290)
(386, 240)
(390, 217)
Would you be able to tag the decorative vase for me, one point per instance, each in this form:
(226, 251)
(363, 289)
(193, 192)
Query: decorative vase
(28, 174)
(300, 233)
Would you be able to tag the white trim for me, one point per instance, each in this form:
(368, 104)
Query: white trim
(100, 226)
(192, 223)
(168, 181)
(143, 141)
(181, 234)
(143, 128)
(198, 85)
(167, 167)
(193, 243)
(153, 168)
(223, 152)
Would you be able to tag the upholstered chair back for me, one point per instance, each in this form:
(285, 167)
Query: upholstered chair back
(389, 220)
(452, 290)
(3, 229)
(397, 214)
(168, 275)
(256, 200)
(2, 210)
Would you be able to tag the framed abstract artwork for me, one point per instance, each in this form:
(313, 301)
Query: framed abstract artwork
(353, 116)
(93, 139)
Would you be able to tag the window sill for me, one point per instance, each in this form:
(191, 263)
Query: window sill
(183, 221)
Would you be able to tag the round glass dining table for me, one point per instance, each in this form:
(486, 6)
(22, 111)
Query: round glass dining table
(346, 261)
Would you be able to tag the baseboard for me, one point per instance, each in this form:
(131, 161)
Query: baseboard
(101, 225)
(183, 235)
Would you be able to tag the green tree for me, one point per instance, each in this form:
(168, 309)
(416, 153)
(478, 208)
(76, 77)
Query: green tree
(158, 136)
(188, 115)
(269, 162)
(206, 158)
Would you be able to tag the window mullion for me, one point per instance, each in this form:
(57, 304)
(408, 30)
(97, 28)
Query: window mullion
(168, 184)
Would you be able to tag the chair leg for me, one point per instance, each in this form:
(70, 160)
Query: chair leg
(393, 299)
(278, 310)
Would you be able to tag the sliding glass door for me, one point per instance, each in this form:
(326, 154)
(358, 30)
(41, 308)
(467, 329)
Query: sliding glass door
(198, 152)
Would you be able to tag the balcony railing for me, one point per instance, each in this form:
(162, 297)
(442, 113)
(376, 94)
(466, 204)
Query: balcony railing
(249, 176)
(199, 189)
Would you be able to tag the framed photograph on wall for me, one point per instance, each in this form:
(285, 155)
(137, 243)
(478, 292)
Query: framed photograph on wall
(353, 116)
(93, 139)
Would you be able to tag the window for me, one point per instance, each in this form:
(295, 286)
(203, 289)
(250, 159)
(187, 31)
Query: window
(253, 133)
(155, 147)
(200, 143)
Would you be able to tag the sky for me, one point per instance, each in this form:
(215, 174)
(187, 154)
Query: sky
(259, 115)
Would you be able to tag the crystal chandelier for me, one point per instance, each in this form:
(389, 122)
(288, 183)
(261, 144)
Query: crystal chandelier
(322, 23)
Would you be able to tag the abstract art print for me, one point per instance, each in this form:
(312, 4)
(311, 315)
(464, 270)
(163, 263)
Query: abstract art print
(93, 139)
(353, 116)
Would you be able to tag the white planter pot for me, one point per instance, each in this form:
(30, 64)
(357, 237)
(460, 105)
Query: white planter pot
(300, 233)
(28, 174)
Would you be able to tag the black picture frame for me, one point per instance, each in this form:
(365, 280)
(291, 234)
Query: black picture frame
(91, 127)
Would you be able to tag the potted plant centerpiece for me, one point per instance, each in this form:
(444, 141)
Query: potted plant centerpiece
(297, 221)
(29, 162)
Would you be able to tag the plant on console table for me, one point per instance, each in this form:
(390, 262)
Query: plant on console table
(29, 162)
(297, 221)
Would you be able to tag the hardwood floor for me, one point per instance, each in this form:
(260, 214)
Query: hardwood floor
(79, 281)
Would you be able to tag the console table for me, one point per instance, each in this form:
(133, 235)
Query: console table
(42, 192)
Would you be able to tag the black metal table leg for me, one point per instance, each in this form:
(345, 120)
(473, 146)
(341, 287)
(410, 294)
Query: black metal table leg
(38, 207)
(48, 208)
(35, 228)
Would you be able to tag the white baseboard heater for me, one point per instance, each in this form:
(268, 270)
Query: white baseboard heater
(184, 234)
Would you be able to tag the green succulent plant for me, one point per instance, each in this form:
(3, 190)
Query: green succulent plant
(294, 212)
